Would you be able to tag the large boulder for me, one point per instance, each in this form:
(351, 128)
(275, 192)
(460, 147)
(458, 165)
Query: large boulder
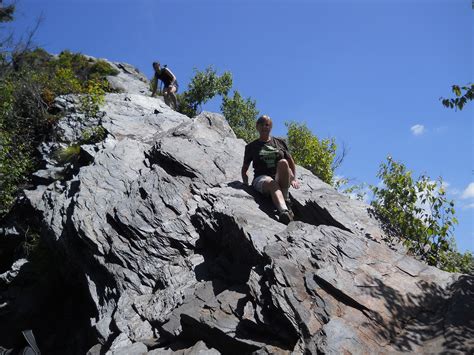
(172, 254)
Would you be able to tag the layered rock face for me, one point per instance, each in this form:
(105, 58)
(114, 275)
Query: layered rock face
(169, 253)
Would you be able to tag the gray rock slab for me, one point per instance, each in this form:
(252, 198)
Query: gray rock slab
(170, 245)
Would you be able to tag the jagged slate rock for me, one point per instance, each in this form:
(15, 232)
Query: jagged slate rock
(272, 350)
(9, 232)
(129, 322)
(168, 243)
(129, 79)
(319, 203)
(120, 341)
(8, 276)
(133, 116)
(348, 271)
(458, 334)
(200, 348)
(213, 316)
(239, 205)
(133, 349)
(66, 104)
(361, 297)
(204, 149)
(47, 151)
(47, 176)
(79, 208)
(95, 350)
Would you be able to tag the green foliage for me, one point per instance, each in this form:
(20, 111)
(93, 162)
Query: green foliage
(15, 163)
(35, 58)
(101, 69)
(463, 95)
(309, 151)
(241, 115)
(68, 154)
(454, 261)
(27, 93)
(63, 82)
(356, 191)
(417, 210)
(203, 87)
(92, 100)
(93, 135)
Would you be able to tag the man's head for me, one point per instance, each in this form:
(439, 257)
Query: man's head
(156, 65)
(264, 125)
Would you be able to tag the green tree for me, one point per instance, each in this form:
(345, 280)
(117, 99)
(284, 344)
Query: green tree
(418, 211)
(454, 261)
(463, 95)
(242, 115)
(314, 154)
(203, 87)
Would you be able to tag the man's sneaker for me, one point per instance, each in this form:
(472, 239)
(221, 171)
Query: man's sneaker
(285, 217)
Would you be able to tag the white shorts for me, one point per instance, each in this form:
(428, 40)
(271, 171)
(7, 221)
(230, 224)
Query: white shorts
(257, 183)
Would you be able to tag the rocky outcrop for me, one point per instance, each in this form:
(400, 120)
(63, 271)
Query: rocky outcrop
(168, 253)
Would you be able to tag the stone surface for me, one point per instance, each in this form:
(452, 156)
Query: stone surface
(172, 254)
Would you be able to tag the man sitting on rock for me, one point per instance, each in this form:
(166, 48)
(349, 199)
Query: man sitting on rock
(274, 168)
(170, 84)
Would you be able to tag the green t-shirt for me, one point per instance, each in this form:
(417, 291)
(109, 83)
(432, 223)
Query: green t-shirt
(265, 155)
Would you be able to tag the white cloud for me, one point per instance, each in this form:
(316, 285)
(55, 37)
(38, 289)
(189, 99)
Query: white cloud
(469, 191)
(417, 129)
(467, 207)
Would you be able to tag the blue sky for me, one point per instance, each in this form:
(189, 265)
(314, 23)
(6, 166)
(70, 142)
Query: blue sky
(363, 71)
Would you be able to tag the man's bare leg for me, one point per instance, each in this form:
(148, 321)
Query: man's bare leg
(283, 177)
(272, 188)
(173, 99)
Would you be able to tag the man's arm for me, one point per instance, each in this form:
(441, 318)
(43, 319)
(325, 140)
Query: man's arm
(245, 178)
(154, 85)
(291, 163)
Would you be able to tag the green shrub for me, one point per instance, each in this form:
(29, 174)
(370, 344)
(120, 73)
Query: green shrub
(241, 115)
(203, 87)
(92, 100)
(36, 58)
(78, 63)
(417, 210)
(69, 154)
(310, 152)
(15, 164)
(27, 92)
(93, 135)
(102, 69)
(64, 82)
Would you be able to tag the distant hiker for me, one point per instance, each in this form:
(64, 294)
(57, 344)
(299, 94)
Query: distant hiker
(169, 82)
(274, 168)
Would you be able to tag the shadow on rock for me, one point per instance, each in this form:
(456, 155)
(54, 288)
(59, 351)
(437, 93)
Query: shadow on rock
(437, 320)
(264, 203)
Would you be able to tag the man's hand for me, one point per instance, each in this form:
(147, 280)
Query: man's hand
(245, 177)
(295, 183)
